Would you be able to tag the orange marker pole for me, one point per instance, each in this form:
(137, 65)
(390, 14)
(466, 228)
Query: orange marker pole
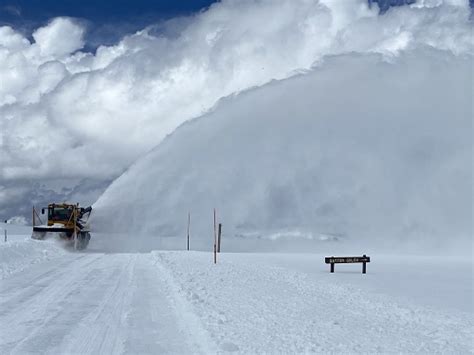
(215, 238)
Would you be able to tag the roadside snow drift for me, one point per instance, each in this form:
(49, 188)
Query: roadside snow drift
(20, 252)
(360, 149)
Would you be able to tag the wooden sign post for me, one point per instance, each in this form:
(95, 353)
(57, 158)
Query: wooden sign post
(364, 259)
(219, 233)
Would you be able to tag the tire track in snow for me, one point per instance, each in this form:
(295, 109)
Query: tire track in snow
(23, 321)
(197, 337)
(98, 303)
(13, 294)
(103, 330)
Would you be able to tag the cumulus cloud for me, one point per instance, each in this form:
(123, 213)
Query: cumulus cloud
(61, 37)
(77, 115)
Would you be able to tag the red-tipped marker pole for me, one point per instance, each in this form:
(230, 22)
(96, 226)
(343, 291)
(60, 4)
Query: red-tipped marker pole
(215, 238)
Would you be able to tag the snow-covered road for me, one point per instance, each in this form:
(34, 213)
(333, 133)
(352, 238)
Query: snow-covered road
(180, 302)
(90, 304)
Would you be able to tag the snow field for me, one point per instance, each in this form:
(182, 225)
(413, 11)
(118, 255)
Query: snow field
(54, 301)
(261, 307)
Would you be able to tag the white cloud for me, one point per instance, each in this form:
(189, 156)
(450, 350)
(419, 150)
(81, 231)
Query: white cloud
(59, 38)
(11, 39)
(72, 114)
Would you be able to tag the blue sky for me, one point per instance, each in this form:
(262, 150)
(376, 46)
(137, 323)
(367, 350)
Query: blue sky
(107, 20)
(97, 10)
(106, 11)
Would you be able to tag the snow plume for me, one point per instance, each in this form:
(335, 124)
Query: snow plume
(76, 116)
(358, 150)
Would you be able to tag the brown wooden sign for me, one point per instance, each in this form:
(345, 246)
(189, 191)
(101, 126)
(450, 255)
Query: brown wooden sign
(347, 260)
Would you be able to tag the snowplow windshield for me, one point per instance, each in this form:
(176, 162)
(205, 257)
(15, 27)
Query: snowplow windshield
(58, 213)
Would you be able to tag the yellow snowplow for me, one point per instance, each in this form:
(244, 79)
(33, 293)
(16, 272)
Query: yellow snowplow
(68, 221)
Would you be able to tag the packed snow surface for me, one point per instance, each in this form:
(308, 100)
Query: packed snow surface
(180, 302)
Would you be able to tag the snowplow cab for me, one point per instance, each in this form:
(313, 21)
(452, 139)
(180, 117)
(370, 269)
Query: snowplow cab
(60, 214)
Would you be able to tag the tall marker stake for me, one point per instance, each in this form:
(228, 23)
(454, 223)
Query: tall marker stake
(189, 222)
(215, 238)
(219, 233)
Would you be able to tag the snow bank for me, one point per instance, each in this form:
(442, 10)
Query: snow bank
(21, 252)
(251, 304)
(362, 150)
